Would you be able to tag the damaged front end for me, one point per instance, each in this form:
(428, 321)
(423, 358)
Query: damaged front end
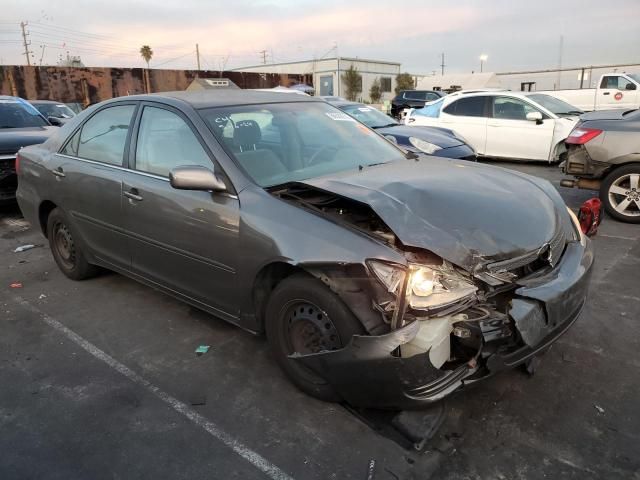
(447, 326)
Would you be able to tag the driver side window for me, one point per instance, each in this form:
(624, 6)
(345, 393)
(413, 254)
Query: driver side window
(165, 141)
(508, 108)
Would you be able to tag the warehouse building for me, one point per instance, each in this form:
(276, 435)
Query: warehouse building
(326, 74)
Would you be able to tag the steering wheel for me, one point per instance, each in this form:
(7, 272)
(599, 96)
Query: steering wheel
(323, 150)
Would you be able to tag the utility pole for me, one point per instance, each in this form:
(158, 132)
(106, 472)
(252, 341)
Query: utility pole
(560, 61)
(42, 54)
(198, 56)
(264, 56)
(25, 43)
(442, 65)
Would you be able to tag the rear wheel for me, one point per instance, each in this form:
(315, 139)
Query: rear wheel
(303, 316)
(620, 193)
(65, 249)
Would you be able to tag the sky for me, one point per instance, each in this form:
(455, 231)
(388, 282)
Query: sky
(514, 35)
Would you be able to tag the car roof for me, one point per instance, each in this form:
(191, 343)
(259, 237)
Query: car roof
(225, 98)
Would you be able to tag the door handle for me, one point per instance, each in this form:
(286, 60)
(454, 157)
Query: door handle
(133, 195)
(606, 93)
(58, 172)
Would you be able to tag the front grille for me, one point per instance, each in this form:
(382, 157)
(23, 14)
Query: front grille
(548, 253)
(7, 166)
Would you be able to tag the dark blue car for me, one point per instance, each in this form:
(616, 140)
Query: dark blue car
(430, 140)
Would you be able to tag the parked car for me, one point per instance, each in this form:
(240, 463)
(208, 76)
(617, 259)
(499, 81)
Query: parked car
(614, 90)
(380, 280)
(604, 155)
(412, 99)
(77, 107)
(55, 112)
(20, 125)
(503, 124)
(430, 140)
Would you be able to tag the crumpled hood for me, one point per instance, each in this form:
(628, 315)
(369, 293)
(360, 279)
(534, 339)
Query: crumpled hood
(462, 211)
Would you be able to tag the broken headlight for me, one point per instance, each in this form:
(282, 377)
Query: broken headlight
(424, 146)
(428, 287)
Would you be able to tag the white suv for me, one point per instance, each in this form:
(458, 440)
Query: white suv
(503, 124)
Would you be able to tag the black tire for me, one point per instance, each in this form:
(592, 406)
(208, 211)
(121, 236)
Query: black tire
(618, 178)
(65, 248)
(303, 292)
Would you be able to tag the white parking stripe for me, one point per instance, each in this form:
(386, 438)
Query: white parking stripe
(249, 455)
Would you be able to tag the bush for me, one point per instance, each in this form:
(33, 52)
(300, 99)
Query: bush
(352, 83)
(375, 92)
(404, 81)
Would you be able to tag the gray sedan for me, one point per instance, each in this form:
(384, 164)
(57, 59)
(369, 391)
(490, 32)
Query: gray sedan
(380, 279)
(603, 153)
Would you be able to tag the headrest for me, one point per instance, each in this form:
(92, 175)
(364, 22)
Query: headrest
(247, 133)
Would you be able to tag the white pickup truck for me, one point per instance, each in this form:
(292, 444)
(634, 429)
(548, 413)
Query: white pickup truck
(615, 90)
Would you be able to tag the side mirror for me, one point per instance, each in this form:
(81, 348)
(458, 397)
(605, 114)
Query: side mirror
(630, 86)
(534, 117)
(193, 177)
(55, 121)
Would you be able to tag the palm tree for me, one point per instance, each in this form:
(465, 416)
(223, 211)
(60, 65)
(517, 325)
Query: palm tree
(146, 53)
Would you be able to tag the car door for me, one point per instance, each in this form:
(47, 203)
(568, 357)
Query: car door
(88, 172)
(467, 116)
(511, 135)
(185, 241)
(616, 91)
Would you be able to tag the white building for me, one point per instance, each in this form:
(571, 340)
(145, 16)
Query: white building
(326, 74)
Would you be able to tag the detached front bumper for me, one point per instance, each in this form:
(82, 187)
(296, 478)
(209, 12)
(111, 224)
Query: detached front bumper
(367, 374)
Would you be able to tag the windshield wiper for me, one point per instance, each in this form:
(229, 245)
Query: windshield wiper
(386, 126)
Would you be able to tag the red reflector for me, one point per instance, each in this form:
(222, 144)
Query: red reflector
(580, 135)
(17, 163)
(590, 216)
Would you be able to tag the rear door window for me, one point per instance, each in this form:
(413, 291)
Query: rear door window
(467, 107)
(103, 136)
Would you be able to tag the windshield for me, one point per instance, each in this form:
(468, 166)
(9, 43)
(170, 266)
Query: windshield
(15, 114)
(555, 105)
(58, 110)
(370, 116)
(288, 142)
(431, 110)
(634, 76)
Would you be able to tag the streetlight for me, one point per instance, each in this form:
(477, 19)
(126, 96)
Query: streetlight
(483, 58)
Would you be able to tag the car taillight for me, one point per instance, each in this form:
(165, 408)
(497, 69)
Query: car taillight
(581, 135)
(17, 164)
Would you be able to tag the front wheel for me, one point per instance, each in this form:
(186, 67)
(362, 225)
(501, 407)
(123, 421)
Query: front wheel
(303, 316)
(65, 248)
(620, 193)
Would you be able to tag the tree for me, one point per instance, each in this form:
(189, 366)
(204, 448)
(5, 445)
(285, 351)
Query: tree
(375, 92)
(146, 53)
(352, 82)
(404, 81)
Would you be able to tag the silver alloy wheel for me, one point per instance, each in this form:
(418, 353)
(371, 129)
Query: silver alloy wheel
(624, 194)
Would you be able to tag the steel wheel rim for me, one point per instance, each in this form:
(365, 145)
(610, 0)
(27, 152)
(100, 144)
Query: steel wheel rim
(63, 243)
(624, 195)
(309, 329)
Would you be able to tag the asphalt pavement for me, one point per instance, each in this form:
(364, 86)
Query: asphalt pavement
(99, 379)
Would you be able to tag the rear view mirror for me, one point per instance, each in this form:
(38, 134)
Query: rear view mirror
(534, 117)
(194, 177)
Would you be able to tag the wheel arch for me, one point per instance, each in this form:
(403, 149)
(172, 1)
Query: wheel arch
(350, 282)
(44, 210)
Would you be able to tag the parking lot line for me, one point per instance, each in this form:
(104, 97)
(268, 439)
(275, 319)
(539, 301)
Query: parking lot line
(258, 461)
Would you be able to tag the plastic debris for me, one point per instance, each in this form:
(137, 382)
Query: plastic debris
(599, 409)
(42, 295)
(24, 248)
(202, 349)
(371, 471)
(16, 285)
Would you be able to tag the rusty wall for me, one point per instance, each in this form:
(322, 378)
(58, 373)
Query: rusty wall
(91, 84)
